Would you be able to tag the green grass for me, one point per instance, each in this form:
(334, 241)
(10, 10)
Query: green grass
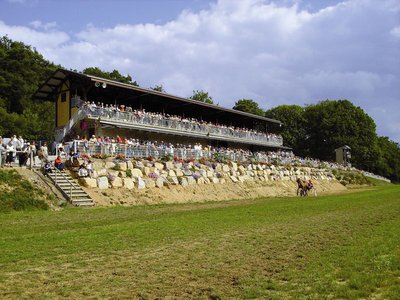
(334, 247)
(17, 193)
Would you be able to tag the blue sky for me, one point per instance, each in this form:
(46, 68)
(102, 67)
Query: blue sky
(275, 52)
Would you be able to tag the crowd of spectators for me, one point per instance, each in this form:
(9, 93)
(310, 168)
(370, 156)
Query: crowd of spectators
(135, 148)
(18, 151)
(140, 116)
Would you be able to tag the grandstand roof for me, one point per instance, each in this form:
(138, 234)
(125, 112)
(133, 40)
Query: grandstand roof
(151, 100)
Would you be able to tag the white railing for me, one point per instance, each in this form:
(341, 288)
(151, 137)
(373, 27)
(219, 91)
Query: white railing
(159, 151)
(372, 175)
(207, 130)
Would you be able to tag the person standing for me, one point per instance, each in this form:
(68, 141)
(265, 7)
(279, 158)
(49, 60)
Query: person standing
(32, 153)
(44, 152)
(2, 152)
(9, 154)
(23, 155)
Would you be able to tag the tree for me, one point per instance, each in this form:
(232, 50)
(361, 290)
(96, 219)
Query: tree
(114, 75)
(202, 96)
(293, 129)
(248, 105)
(159, 88)
(22, 71)
(388, 161)
(331, 124)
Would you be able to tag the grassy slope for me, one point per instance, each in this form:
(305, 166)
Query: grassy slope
(328, 247)
(17, 193)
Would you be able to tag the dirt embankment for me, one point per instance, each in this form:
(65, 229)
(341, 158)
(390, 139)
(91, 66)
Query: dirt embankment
(192, 193)
(207, 192)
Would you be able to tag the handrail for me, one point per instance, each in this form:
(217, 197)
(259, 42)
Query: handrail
(71, 185)
(61, 133)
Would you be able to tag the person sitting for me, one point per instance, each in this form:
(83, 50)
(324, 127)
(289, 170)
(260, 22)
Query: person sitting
(59, 164)
(89, 168)
(47, 167)
(83, 172)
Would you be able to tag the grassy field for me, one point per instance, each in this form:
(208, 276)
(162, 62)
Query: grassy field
(334, 247)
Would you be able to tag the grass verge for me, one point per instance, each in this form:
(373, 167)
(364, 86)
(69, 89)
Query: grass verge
(343, 246)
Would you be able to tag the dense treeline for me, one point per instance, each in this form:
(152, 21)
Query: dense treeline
(317, 130)
(22, 70)
(314, 130)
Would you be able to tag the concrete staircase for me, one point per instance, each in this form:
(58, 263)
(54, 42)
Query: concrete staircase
(70, 188)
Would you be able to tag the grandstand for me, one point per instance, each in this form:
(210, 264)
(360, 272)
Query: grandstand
(91, 106)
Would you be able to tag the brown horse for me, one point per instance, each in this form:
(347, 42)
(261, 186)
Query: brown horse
(301, 188)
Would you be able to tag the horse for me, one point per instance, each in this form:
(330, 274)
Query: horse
(304, 187)
(301, 188)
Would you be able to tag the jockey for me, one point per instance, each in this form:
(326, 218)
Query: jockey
(310, 185)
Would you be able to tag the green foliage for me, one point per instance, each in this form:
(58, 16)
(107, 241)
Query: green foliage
(167, 157)
(293, 129)
(221, 158)
(317, 130)
(351, 177)
(159, 88)
(22, 71)
(114, 75)
(117, 167)
(129, 173)
(248, 105)
(388, 162)
(19, 194)
(332, 124)
(202, 96)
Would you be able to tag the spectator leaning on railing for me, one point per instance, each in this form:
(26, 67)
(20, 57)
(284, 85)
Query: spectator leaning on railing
(141, 149)
(176, 122)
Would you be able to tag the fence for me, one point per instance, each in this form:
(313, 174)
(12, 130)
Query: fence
(157, 120)
(143, 151)
(158, 152)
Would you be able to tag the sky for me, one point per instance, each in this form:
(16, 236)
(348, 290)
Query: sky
(274, 52)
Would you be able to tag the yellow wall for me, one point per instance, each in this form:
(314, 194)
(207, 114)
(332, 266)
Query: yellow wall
(63, 107)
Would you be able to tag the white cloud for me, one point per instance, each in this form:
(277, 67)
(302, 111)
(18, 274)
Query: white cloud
(37, 24)
(17, 1)
(272, 52)
(395, 31)
(46, 42)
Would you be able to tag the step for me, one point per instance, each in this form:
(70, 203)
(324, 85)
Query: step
(78, 191)
(85, 204)
(62, 177)
(66, 183)
(79, 196)
(82, 200)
